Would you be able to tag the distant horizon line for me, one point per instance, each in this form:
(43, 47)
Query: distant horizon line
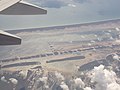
(66, 25)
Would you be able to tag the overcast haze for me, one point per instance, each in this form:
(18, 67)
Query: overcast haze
(62, 12)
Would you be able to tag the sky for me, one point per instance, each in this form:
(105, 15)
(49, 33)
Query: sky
(64, 12)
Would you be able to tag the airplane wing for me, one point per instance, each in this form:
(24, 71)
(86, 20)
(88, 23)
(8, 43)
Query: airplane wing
(18, 7)
(9, 39)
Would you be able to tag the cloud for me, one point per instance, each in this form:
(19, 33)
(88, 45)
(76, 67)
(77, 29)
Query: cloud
(14, 81)
(95, 7)
(53, 3)
(87, 88)
(43, 79)
(79, 83)
(57, 3)
(116, 57)
(113, 86)
(64, 86)
(71, 5)
(59, 76)
(106, 79)
(50, 3)
(3, 79)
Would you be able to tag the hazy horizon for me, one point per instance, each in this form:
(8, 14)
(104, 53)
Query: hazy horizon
(64, 12)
